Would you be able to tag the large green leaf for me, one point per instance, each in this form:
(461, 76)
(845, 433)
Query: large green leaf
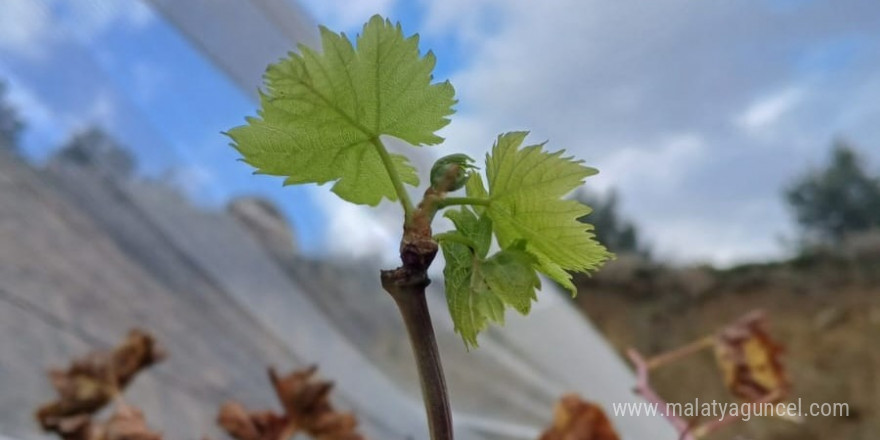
(526, 190)
(322, 114)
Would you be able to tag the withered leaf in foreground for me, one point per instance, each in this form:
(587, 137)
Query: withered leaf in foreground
(92, 381)
(750, 359)
(242, 425)
(307, 409)
(127, 423)
(577, 419)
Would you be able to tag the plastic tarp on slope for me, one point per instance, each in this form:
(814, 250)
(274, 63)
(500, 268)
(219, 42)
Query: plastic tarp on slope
(69, 283)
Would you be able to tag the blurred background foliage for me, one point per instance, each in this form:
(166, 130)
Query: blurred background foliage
(838, 200)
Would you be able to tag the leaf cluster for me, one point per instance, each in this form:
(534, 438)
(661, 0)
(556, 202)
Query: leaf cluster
(534, 227)
(322, 118)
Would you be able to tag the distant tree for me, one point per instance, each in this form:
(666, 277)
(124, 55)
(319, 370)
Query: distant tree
(11, 124)
(616, 233)
(95, 148)
(840, 199)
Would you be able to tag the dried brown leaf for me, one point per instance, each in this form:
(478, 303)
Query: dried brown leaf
(307, 408)
(750, 360)
(75, 427)
(242, 425)
(126, 423)
(335, 426)
(89, 383)
(577, 419)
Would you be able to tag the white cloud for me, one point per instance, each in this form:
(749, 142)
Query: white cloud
(101, 111)
(87, 20)
(346, 15)
(29, 27)
(661, 169)
(196, 181)
(43, 128)
(659, 96)
(466, 20)
(51, 126)
(24, 26)
(768, 110)
(688, 238)
(30, 107)
(356, 230)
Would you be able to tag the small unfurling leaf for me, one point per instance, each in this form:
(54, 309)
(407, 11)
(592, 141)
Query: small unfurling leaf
(535, 227)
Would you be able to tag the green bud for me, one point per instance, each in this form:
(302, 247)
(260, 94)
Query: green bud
(451, 172)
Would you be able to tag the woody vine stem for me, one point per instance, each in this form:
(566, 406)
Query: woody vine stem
(407, 284)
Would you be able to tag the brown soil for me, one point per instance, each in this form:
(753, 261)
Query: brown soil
(825, 311)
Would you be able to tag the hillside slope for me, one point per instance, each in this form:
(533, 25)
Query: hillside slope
(824, 309)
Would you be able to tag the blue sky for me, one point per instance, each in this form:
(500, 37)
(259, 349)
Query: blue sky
(697, 112)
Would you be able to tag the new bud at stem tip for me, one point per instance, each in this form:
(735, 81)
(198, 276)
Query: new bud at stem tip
(450, 173)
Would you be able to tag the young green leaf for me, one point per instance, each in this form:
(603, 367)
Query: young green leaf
(526, 186)
(478, 288)
(475, 188)
(322, 113)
